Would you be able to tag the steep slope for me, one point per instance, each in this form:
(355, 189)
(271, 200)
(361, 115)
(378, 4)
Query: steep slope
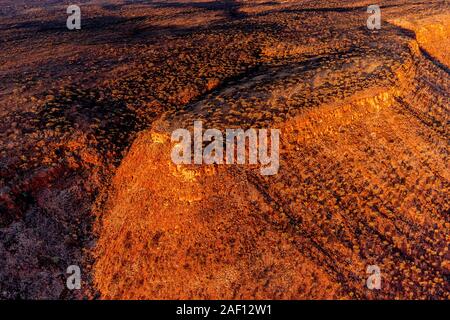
(364, 180)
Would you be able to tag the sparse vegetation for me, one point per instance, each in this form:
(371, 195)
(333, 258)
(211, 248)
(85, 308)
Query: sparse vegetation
(364, 175)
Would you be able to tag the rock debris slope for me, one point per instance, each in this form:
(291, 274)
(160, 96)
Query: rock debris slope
(363, 180)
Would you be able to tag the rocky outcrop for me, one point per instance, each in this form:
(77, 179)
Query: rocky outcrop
(363, 181)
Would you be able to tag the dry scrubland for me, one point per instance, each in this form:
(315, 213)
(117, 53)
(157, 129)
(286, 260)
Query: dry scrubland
(85, 170)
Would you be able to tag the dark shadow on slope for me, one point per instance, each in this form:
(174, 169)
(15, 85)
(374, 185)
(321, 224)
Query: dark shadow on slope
(229, 7)
(336, 9)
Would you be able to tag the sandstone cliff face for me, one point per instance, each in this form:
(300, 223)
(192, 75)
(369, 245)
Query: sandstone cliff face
(363, 180)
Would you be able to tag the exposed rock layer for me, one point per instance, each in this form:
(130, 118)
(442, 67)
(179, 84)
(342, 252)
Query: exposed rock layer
(364, 180)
